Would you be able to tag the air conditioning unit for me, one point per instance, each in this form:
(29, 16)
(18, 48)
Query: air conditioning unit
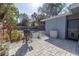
(53, 34)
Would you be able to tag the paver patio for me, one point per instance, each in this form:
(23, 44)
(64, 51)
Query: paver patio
(50, 47)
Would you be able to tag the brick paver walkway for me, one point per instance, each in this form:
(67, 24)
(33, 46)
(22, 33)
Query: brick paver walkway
(43, 48)
(53, 47)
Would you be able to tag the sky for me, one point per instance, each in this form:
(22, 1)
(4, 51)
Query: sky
(28, 8)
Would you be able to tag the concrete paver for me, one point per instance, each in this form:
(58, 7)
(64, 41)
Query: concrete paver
(54, 47)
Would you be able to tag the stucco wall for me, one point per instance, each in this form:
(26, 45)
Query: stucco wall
(58, 24)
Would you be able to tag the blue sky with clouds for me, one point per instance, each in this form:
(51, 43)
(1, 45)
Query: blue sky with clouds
(27, 8)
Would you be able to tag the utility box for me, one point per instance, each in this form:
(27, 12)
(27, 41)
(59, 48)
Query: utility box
(53, 34)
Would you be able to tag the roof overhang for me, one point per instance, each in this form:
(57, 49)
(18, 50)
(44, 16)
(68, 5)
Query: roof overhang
(74, 8)
(58, 16)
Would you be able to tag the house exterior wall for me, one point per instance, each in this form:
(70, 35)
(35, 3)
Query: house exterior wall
(58, 24)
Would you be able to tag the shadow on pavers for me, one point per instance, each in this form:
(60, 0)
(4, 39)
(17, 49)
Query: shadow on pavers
(68, 45)
(23, 50)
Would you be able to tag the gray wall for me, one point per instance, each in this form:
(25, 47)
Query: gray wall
(58, 24)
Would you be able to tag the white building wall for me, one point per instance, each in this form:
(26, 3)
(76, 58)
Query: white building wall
(58, 24)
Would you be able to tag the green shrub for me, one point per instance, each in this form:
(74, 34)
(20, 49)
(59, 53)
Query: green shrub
(15, 35)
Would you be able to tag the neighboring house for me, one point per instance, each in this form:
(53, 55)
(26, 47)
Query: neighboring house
(31, 23)
(34, 24)
(67, 25)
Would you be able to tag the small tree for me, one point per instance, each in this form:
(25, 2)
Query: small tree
(38, 17)
(8, 13)
(25, 19)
